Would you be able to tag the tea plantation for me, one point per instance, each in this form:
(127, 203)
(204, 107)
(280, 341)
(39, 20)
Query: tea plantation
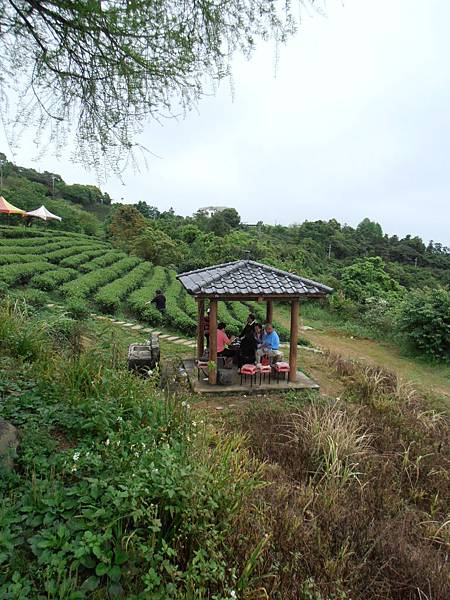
(84, 270)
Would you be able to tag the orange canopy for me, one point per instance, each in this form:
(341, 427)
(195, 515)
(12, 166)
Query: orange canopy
(8, 209)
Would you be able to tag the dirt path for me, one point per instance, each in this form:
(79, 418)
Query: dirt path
(421, 374)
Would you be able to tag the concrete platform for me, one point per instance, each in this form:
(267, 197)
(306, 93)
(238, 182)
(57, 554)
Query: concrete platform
(202, 386)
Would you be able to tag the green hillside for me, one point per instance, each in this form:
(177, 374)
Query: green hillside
(45, 265)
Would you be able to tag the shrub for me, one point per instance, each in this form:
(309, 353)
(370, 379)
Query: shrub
(110, 296)
(102, 261)
(89, 282)
(33, 297)
(21, 273)
(367, 278)
(77, 308)
(174, 312)
(81, 258)
(137, 301)
(425, 321)
(53, 279)
(9, 259)
(379, 316)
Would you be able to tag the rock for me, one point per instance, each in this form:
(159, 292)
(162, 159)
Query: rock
(306, 328)
(8, 443)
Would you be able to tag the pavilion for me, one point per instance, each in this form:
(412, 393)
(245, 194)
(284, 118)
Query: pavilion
(244, 281)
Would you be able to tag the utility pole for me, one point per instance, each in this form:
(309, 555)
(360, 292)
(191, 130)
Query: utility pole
(2, 162)
(329, 251)
(415, 261)
(53, 186)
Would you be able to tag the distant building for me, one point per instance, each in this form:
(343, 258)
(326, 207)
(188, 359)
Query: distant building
(209, 211)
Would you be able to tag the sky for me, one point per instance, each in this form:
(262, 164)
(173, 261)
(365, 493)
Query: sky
(349, 120)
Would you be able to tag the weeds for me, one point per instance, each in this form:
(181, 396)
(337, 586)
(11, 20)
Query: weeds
(357, 499)
(117, 491)
(335, 442)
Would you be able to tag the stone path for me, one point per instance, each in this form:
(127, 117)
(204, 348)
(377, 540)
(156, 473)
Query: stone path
(131, 325)
(164, 336)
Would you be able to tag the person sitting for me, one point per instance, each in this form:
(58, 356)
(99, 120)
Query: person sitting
(270, 343)
(258, 333)
(249, 326)
(247, 348)
(223, 341)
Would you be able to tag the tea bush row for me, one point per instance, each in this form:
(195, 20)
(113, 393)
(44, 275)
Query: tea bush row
(21, 273)
(80, 258)
(102, 261)
(87, 283)
(110, 296)
(33, 248)
(53, 279)
(10, 259)
(72, 250)
(137, 301)
(175, 313)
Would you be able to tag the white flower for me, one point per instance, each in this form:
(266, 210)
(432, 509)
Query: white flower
(76, 456)
(194, 424)
(119, 419)
(233, 594)
(74, 468)
(107, 442)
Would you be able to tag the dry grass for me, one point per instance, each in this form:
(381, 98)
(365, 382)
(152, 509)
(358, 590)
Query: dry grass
(356, 503)
(334, 440)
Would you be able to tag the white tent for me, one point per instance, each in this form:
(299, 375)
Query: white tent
(43, 213)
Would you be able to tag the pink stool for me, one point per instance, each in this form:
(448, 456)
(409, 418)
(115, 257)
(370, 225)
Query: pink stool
(264, 370)
(281, 367)
(248, 370)
(201, 364)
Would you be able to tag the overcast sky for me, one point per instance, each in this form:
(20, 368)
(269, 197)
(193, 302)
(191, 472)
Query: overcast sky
(353, 124)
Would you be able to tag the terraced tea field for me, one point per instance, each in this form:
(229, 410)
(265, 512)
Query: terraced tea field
(64, 266)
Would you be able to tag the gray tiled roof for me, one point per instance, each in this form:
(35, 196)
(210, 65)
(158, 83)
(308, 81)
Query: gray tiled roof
(249, 278)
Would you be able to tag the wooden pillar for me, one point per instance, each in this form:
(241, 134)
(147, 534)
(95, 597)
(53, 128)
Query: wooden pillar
(213, 341)
(269, 311)
(293, 342)
(200, 327)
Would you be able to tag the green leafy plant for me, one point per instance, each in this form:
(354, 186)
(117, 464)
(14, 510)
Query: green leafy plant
(425, 321)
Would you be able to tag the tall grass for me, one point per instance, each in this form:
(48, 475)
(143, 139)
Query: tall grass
(356, 504)
(335, 441)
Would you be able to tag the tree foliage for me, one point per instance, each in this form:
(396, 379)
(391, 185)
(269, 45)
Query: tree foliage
(367, 278)
(109, 66)
(156, 246)
(425, 320)
(126, 224)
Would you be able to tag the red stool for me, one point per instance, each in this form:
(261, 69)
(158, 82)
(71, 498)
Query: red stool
(248, 370)
(281, 367)
(264, 370)
(201, 364)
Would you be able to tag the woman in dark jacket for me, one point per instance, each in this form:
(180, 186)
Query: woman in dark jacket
(248, 348)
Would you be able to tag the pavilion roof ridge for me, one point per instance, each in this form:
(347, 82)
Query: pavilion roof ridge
(233, 265)
(250, 278)
(211, 268)
(291, 275)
